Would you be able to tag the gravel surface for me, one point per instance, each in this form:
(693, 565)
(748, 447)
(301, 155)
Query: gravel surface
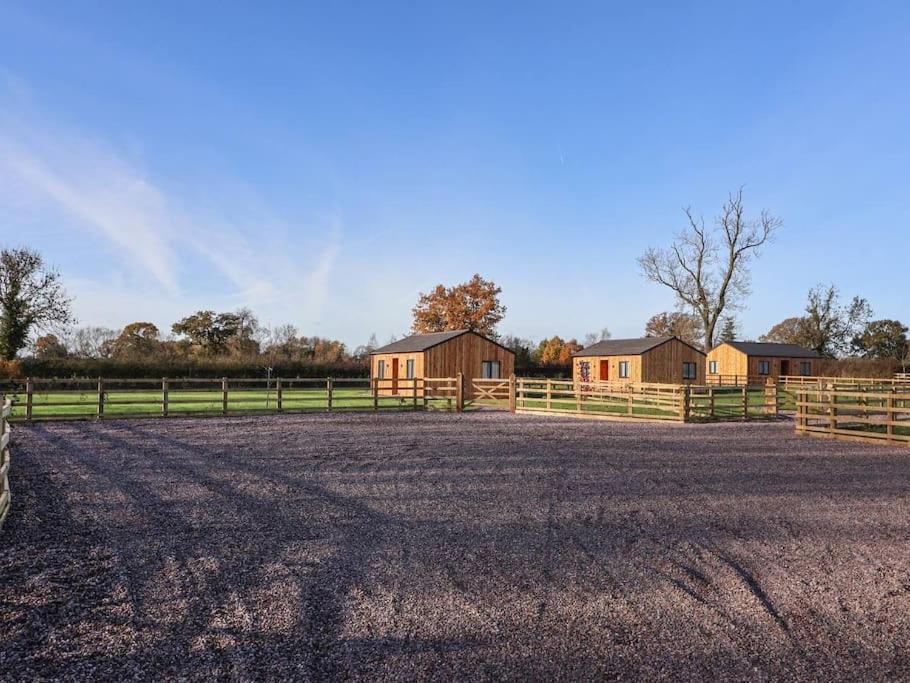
(474, 546)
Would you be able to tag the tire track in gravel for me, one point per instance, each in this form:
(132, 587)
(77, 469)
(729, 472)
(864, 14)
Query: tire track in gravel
(423, 505)
(326, 589)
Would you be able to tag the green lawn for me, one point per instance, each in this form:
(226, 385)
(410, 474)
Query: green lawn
(205, 401)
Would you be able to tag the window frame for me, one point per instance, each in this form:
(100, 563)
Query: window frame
(712, 367)
(805, 368)
(486, 369)
(625, 369)
(764, 368)
(409, 366)
(380, 369)
(687, 364)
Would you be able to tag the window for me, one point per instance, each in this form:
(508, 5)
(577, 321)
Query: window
(584, 371)
(764, 367)
(380, 369)
(712, 367)
(805, 368)
(624, 369)
(690, 370)
(409, 368)
(490, 369)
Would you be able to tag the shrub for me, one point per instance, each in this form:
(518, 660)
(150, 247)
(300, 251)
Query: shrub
(68, 368)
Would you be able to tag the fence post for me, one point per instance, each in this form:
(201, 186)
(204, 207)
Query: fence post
(686, 402)
(329, 389)
(549, 394)
(745, 398)
(100, 398)
(224, 395)
(375, 393)
(771, 397)
(164, 397)
(279, 391)
(711, 402)
(832, 410)
(513, 393)
(29, 398)
(414, 389)
(459, 392)
(889, 428)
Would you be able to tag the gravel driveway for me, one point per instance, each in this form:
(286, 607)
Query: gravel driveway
(473, 546)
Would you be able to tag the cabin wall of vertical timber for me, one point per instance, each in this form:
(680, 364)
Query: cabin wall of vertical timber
(404, 388)
(465, 353)
(663, 365)
(732, 361)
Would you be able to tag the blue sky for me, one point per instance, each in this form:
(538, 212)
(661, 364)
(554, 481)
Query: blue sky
(325, 162)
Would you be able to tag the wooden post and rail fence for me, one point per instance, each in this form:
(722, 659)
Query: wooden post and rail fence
(171, 397)
(855, 412)
(6, 409)
(870, 408)
(39, 399)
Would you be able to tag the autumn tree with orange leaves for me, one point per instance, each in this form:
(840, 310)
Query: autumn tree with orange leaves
(472, 305)
(556, 351)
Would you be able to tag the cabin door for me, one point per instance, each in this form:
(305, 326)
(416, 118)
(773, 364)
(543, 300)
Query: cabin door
(784, 367)
(604, 370)
(394, 375)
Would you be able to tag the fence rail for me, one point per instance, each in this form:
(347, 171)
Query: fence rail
(795, 381)
(42, 399)
(862, 413)
(6, 408)
(730, 380)
(639, 401)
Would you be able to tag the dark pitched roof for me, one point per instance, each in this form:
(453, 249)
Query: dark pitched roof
(773, 350)
(421, 342)
(623, 347)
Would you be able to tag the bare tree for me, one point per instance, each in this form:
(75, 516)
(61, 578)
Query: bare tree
(89, 342)
(708, 269)
(592, 338)
(828, 326)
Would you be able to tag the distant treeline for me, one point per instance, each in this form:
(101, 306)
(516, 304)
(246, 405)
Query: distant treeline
(62, 368)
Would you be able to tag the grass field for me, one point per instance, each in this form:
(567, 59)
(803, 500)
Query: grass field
(203, 401)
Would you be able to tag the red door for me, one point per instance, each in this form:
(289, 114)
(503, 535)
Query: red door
(604, 370)
(394, 375)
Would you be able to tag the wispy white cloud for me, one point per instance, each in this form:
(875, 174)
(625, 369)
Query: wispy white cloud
(185, 254)
(103, 196)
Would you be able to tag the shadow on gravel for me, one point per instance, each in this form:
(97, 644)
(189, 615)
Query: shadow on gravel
(341, 547)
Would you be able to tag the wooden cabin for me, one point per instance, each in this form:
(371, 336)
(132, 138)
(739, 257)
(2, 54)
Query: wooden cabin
(440, 354)
(665, 360)
(757, 362)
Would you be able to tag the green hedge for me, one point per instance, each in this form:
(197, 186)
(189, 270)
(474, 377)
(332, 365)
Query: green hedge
(66, 368)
